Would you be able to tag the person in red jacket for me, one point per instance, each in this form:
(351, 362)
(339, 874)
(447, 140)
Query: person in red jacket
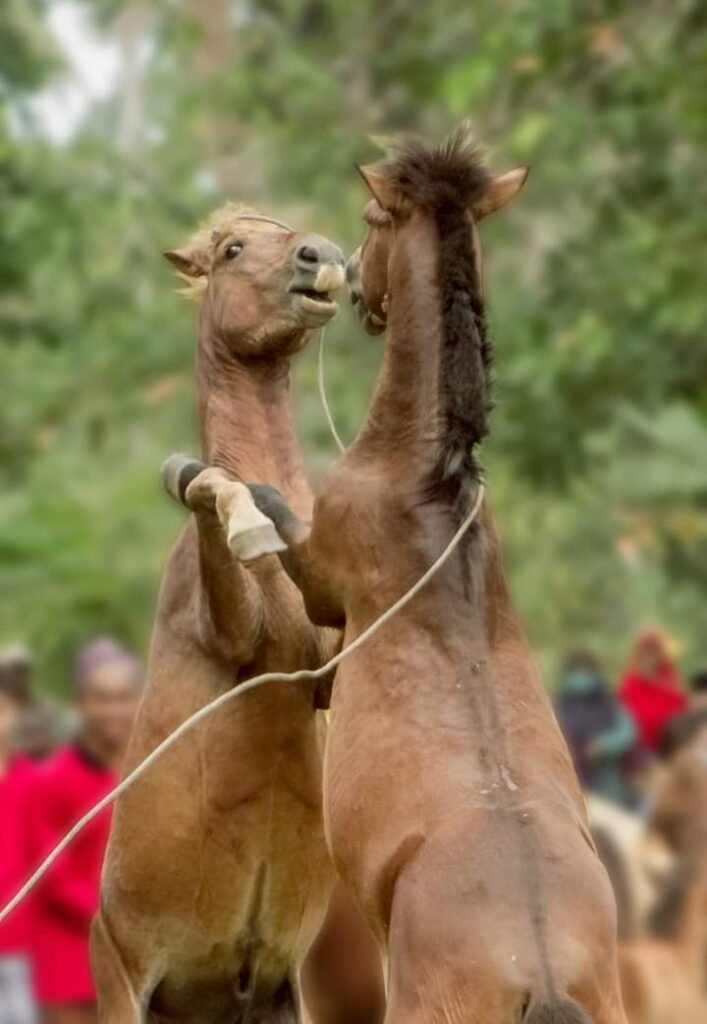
(16, 998)
(72, 780)
(650, 688)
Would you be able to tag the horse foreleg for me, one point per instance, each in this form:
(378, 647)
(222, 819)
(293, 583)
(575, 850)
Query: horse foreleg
(230, 531)
(305, 559)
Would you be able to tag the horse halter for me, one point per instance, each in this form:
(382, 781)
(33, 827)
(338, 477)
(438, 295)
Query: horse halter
(265, 220)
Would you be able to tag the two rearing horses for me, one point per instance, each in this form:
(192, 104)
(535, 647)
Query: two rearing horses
(451, 808)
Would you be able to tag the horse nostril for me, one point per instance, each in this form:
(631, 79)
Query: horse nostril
(308, 253)
(355, 298)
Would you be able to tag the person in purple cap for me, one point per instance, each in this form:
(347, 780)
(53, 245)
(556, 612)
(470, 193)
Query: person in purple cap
(107, 685)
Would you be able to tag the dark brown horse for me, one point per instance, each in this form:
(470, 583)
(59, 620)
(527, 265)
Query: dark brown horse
(451, 806)
(217, 876)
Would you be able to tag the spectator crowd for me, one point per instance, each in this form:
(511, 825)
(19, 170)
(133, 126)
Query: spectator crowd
(51, 772)
(617, 735)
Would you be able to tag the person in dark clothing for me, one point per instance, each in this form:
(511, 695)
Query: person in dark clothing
(599, 732)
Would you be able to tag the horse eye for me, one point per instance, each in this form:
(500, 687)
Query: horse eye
(235, 249)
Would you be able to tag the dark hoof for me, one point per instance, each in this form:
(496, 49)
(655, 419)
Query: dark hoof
(178, 471)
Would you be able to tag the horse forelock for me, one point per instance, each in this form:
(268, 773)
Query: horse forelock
(219, 223)
(449, 175)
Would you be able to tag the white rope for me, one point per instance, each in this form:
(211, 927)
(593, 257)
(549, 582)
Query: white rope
(323, 395)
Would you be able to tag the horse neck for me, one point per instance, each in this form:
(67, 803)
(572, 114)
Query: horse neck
(404, 413)
(246, 419)
(432, 397)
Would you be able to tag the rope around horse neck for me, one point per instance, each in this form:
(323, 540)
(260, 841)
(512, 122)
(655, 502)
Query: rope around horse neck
(251, 684)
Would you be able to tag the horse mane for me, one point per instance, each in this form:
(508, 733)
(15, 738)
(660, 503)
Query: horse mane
(207, 235)
(447, 180)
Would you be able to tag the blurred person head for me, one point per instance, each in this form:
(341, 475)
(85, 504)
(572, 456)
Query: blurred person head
(107, 684)
(10, 711)
(698, 688)
(581, 673)
(652, 653)
(16, 672)
(39, 730)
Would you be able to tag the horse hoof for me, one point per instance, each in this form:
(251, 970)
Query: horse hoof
(177, 473)
(254, 542)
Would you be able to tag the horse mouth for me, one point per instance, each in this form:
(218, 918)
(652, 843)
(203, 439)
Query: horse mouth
(318, 303)
(371, 323)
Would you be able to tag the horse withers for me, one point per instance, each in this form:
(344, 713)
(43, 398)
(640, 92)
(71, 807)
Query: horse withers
(451, 806)
(217, 877)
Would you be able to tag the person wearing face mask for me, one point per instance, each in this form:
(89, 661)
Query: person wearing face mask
(107, 685)
(599, 732)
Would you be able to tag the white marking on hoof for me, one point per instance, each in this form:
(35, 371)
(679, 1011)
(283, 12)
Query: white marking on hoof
(249, 533)
(249, 545)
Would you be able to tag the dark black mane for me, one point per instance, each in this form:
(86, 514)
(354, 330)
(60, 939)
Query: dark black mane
(449, 176)
(447, 180)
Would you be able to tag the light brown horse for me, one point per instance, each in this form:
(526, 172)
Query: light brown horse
(217, 876)
(451, 806)
(662, 973)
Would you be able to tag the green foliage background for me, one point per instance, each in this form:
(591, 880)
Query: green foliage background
(596, 284)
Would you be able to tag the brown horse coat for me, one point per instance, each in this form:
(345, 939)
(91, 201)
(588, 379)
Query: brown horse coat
(217, 876)
(451, 806)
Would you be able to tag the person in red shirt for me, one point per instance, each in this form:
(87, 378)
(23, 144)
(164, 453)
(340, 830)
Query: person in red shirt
(16, 999)
(107, 687)
(650, 688)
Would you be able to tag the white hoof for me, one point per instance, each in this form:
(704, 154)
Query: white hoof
(252, 542)
(249, 533)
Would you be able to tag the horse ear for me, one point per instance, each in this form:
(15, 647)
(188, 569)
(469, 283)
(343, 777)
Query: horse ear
(191, 262)
(380, 187)
(502, 190)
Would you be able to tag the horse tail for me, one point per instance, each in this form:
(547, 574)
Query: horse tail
(557, 1010)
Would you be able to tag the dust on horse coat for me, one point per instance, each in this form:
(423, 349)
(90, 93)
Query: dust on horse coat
(217, 877)
(451, 806)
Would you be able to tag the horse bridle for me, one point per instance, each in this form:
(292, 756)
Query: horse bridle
(265, 220)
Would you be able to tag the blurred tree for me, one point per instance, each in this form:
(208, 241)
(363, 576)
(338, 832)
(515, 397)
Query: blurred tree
(596, 286)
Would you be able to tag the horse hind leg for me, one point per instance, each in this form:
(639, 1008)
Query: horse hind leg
(118, 1003)
(280, 1005)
